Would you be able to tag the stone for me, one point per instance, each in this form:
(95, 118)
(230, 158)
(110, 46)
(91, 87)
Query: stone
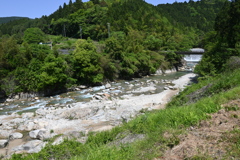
(108, 85)
(4, 133)
(97, 97)
(3, 143)
(44, 134)
(106, 95)
(33, 134)
(77, 89)
(166, 88)
(30, 126)
(33, 146)
(172, 88)
(58, 140)
(82, 87)
(16, 97)
(27, 115)
(131, 85)
(15, 135)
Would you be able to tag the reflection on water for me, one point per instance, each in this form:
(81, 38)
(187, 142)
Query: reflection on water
(119, 88)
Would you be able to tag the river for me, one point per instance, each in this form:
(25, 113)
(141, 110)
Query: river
(118, 89)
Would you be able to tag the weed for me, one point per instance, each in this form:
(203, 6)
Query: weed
(232, 108)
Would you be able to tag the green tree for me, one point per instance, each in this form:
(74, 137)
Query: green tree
(86, 63)
(53, 74)
(34, 35)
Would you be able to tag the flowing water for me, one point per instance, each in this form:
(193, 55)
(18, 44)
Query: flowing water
(118, 89)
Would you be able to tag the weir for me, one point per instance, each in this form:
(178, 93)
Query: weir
(192, 57)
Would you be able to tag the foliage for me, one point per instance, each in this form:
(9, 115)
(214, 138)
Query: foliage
(223, 43)
(8, 19)
(133, 38)
(196, 14)
(86, 63)
(33, 35)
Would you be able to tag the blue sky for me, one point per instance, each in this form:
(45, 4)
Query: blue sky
(37, 8)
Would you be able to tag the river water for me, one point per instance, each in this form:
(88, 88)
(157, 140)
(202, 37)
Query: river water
(117, 89)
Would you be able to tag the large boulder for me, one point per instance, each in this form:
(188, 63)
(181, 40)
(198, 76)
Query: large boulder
(33, 134)
(3, 143)
(28, 126)
(33, 146)
(15, 135)
(4, 133)
(108, 85)
(40, 134)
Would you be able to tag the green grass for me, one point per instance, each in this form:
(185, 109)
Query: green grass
(220, 83)
(173, 120)
(62, 42)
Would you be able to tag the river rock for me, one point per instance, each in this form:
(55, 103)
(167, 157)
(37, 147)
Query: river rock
(4, 133)
(3, 143)
(172, 88)
(44, 134)
(155, 81)
(16, 97)
(33, 134)
(28, 126)
(166, 88)
(41, 124)
(82, 87)
(131, 86)
(15, 135)
(108, 85)
(58, 140)
(97, 97)
(27, 115)
(33, 146)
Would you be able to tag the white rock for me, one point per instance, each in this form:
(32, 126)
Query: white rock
(166, 88)
(31, 146)
(41, 124)
(33, 134)
(44, 134)
(28, 126)
(82, 87)
(15, 135)
(58, 140)
(27, 115)
(4, 133)
(108, 85)
(3, 143)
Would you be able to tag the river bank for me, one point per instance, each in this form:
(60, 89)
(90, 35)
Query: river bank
(96, 115)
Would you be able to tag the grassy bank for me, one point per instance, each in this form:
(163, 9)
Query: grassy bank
(153, 126)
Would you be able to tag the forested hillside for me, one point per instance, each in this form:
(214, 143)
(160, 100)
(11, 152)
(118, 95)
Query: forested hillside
(199, 15)
(222, 44)
(8, 19)
(118, 40)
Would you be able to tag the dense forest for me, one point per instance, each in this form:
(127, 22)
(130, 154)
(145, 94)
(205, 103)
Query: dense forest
(109, 40)
(9, 19)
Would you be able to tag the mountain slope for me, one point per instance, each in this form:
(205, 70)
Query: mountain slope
(8, 19)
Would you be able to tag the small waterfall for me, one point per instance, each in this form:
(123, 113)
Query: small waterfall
(193, 58)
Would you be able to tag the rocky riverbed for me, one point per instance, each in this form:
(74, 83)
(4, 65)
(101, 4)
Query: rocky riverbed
(27, 132)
